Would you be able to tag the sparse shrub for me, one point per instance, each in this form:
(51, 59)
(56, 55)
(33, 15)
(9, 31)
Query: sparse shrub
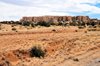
(81, 27)
(42, 23)
(0, 26)
(28, 28)
(60, 23)
(51, 23)
(79, 23)
(76, 30)
(73, 24)
(53, 30)
(13, 28)
(12, 25)
(95, 26)
(90, 26)
(85, 31)
(37, 51)
(26, 23)
(83, 24)
(88, 23)
(16, 31)
(76, 59)
(93, 29)
(33, 25)
(93, 23)
(47, 24)
(66, 24)
(20, 23)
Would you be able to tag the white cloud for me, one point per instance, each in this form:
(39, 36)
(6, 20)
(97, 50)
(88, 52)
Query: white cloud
(46, 7)
(98, 1)
(7, 10)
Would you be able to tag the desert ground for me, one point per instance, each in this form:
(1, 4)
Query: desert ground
(66, 46)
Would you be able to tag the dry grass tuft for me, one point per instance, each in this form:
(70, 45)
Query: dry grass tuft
(14, 28)
(37, 51)
(93, 29)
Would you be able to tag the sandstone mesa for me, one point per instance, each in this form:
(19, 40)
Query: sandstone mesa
(59, 18)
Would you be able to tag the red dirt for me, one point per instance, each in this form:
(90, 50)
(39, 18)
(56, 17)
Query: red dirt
(62, 46)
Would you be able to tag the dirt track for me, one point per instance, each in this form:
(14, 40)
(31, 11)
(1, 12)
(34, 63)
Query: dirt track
(62, 47)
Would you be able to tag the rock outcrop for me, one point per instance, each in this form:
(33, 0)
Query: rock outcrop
(56, 18)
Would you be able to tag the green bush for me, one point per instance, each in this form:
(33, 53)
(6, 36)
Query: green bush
(20, 23)
(47, 24)
(73, 24)
(93, 23)
(26, 23)
(42, 23)
(60, 23)
(88, 23)
(33, 25)
(66, 24)
(50, 23)
(79, 23)
(83, 24)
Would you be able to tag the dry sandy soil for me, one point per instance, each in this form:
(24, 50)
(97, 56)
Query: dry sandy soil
(63, 47)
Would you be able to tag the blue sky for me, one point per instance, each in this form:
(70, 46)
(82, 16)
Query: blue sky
(16, 9)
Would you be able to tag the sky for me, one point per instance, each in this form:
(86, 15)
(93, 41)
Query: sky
(16, 9)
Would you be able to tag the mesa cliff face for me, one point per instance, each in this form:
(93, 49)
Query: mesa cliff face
(56, 18)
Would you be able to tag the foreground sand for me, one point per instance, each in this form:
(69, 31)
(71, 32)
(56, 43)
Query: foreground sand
(63, 46)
